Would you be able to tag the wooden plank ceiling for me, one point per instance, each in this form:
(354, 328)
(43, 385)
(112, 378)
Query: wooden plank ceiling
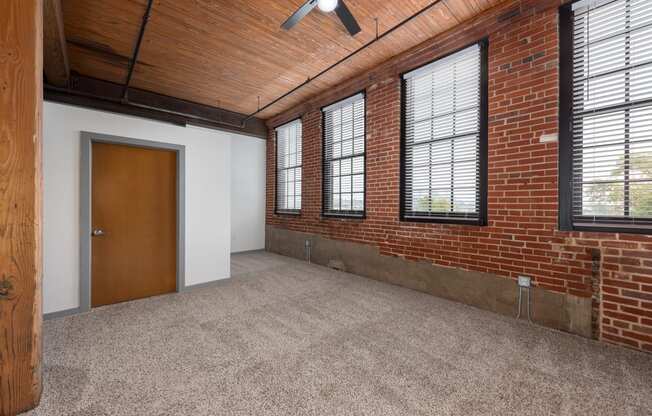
(227, 53)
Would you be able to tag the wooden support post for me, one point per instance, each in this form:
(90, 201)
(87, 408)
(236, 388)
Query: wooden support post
(21, 90)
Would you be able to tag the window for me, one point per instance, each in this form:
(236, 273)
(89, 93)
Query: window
(344, 157)
(444, 148)
(606, 116)
(288, 168)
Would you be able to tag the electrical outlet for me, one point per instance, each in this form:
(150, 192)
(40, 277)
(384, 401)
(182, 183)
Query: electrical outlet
(524, 281)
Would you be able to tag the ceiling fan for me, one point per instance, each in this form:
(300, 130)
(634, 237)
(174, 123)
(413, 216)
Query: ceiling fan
(325, 6)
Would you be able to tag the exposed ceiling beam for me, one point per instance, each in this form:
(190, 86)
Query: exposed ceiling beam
(139, 41)
(104, 95)
(55, 56)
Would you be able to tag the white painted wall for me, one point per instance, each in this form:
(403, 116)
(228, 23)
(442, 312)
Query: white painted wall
(247, 194)
(208, 186)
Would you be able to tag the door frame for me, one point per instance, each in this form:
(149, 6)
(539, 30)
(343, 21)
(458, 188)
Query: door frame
(85, 212)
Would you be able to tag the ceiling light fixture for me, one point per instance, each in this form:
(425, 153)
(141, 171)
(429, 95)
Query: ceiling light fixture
(327, 6)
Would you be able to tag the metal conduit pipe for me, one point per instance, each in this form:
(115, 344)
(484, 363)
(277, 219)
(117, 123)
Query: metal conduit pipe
(344, 59)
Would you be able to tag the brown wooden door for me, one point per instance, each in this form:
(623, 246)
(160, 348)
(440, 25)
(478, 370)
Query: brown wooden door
(134, 204)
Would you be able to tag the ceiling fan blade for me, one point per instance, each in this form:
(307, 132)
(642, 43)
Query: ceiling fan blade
(347, 18)
(299, 14)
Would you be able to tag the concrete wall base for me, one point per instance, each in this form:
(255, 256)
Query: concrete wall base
(483, 290)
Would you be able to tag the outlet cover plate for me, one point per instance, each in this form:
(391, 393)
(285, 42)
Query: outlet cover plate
(524, 281)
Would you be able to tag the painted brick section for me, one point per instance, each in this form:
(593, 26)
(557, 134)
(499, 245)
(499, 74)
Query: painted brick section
(522, 236)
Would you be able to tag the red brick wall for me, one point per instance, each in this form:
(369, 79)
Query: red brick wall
(522, 236)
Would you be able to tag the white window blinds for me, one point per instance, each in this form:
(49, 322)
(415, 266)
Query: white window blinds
(611, 122)
(344, 157)
(442, 143)
(288, 167)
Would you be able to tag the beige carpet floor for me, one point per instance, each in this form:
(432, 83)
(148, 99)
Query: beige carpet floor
(284, 337)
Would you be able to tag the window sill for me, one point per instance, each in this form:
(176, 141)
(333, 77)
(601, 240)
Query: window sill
(294, 213)
(610, 228)
(344, 216)
(445, 220)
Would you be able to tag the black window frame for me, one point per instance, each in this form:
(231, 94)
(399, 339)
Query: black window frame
(355, 215)
(482, 218)
(277, 211)
(566, 220)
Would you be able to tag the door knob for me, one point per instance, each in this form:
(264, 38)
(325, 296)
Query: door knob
(98, 232)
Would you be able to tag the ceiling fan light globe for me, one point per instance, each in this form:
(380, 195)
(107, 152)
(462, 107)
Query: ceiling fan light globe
(327, 6)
